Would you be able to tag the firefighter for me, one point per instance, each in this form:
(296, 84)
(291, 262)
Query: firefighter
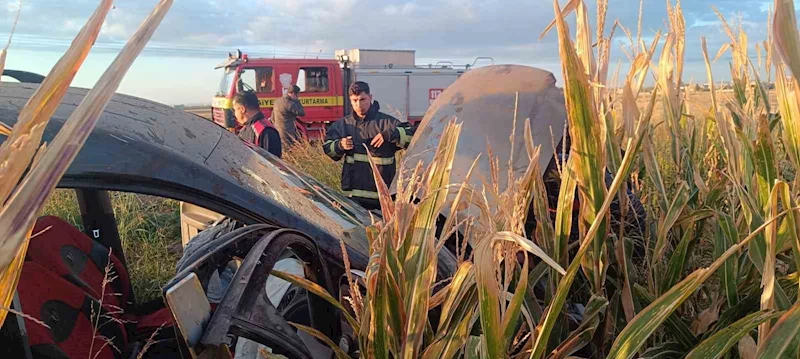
(366, 131)
(253, 127)
(285, 113)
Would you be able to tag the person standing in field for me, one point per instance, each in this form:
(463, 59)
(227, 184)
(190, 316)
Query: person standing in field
(366, 132)
(285, 113)
(253, 126)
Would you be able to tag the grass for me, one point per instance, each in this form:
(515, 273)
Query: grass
(310, 159)
(149, 228)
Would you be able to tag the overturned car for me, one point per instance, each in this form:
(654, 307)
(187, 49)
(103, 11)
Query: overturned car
(256, 213)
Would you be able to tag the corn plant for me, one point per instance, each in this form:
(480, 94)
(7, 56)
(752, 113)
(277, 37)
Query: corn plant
(721, 241)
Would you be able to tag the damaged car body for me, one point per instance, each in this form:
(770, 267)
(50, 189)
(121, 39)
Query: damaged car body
(223, 302)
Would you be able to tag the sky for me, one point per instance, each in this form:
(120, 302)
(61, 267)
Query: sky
(177, 67)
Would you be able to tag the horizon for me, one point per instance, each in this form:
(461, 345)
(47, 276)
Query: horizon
(177, 67)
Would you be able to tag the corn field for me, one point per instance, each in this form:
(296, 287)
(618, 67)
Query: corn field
(718, 277)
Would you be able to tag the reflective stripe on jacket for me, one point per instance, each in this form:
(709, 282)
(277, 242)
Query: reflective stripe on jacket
(357, 178)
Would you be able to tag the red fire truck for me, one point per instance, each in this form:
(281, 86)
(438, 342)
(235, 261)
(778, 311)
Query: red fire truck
(403, 89)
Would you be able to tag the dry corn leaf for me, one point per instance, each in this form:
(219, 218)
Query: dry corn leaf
(4, 51)
(768, 279)
(21, 146)
(707, 317)
(785, 34)
(19, 214)
(722, 50)
(719, 344)
(747, 348)
(33, 118)
(3, 60)
(568, 8)
(4, 129)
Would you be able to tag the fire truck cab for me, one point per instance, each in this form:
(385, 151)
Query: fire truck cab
(403, 89)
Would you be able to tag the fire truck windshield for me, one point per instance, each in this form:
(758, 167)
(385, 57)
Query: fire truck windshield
(227, 82)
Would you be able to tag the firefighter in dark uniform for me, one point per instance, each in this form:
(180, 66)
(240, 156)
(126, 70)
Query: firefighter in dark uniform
(254, 128)
(383, 136)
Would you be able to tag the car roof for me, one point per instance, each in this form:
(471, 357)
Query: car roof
(146, 147)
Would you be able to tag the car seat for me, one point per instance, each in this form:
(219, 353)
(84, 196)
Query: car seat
(64, 285)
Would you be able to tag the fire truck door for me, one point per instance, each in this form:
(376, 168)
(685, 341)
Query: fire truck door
(318, 93)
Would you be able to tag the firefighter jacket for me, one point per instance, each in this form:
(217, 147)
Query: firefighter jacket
(260, 132)
(357, 179)
(284, 117)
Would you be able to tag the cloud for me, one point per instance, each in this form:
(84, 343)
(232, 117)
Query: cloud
(507, 30)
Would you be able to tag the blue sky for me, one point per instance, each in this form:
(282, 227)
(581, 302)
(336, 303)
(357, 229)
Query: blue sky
(178, 65)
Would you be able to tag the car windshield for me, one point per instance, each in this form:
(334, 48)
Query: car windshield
(330, 201)
(227, 82)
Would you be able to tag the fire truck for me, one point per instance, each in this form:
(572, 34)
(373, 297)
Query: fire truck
(402, 88)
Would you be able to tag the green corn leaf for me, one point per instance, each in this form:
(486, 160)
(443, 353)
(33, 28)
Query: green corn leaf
(784, 338)
(459, 313)
(725, 236)
(452, 340)
(626, 295)
(499, 331)
(417, 300)
(793, 223)
(761, 92)
(745, 307)
(654, 172)
(757, 249)
(672, 215)
(677, 261)
(721, 342)
(420, 261)
(381, 344)
(563, 223)
(545, 233)
(668, 350)
(587, 146)
(557, 303)
(648, 320)
(395, 311)
(789, 104)
(489, 298)
(676, 327)
(459, 286)
(512, 314)
(764, 160)
(476, 348)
